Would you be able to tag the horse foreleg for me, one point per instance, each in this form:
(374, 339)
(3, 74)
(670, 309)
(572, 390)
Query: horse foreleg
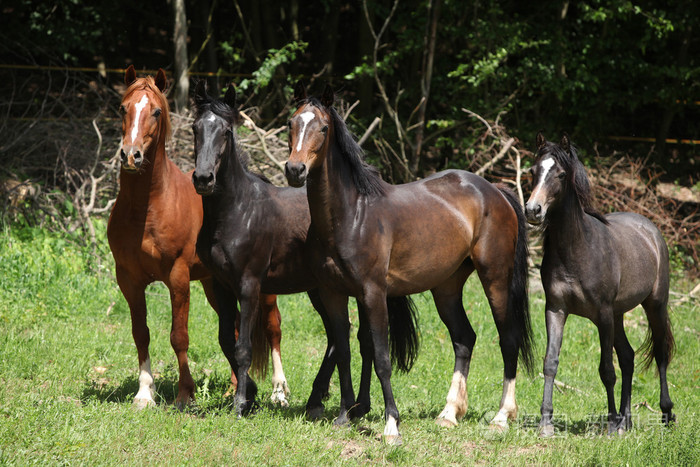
(374, 303)
(337, 312)
(247, 390)
(179, 285)
(273, 331)
(136, 299)
(606, 331)
(208, 286)
(555, 320)
(364, 403)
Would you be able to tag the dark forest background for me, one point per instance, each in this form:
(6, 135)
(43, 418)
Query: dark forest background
(432, 83)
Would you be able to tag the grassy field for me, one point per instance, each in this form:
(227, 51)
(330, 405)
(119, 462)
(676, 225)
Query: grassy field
(68, 375)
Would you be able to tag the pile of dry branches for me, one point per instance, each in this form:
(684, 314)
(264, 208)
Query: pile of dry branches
(60, 167)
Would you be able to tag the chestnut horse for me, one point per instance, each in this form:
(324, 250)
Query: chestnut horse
(374, 240)
(153, 231)
(598, 267)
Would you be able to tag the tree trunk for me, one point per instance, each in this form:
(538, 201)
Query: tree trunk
(427, 75)
(182, 81)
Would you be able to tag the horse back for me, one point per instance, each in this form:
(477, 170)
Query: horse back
(454, 216)
(643, 258)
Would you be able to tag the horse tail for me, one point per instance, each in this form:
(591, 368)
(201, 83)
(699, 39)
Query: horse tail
(259, 338)
(659, 342)
(518, 303)
(403, 332)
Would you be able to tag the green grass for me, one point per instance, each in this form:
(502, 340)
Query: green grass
(68, 375)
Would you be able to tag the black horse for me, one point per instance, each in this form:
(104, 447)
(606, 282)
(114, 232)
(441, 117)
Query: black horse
(598, 267)
(254, 239)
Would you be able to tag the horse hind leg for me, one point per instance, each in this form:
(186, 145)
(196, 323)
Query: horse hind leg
(496, 288)
(660, 346)
(448, 301)
(625, 356)
(273, 320)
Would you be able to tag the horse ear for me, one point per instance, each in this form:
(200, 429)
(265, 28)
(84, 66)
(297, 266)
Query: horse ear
(161, 80)
(299, 92)
(200, 89)
(540, 140)
(230, 96)
(130, 75)
(328, 96)
(565, 142)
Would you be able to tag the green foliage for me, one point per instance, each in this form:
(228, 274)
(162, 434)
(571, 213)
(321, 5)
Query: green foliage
(275, 58)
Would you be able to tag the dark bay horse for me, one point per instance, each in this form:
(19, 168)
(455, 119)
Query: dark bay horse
(598, 267)
(152, 233)
(373, 240)
(254, 238)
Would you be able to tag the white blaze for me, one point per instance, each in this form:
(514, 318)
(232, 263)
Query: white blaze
(139, 107)
(546, 165)
(306, 117)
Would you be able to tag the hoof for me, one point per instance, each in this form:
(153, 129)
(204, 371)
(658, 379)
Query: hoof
(314, 413)
(546, 431)
(498, 426)
(279, 397)
(446, 422)
(342, 420)
(392, 440)
(142, 403)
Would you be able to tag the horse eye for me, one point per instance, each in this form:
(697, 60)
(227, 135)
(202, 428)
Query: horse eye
(289, 124)
(561, 176)
(122, 110)
(156, 113)
(324, 129)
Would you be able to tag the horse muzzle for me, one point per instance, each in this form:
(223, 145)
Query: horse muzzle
(535, 213)
(131, 158)
(204, 183)
(296, 173)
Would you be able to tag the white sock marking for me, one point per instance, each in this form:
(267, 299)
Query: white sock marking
(139, 107)
(306, 117)
(145, 381)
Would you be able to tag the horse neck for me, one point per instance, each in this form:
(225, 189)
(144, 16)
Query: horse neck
(569, 228)
(153, 178)
(332, 197)
(232, 174)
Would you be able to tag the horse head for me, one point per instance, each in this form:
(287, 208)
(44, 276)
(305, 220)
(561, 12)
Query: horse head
(548, 177)
(145, 117)
(213, 126)
(310, 129)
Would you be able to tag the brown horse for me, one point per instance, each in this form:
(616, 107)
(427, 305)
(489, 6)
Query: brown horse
(153, 231)
(374, 240)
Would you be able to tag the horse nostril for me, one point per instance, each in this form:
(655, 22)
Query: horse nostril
(294, 169)
(138, 157)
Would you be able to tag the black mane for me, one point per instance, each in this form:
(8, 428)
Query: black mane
(217, 106)
(364, 176)
(576, 176)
